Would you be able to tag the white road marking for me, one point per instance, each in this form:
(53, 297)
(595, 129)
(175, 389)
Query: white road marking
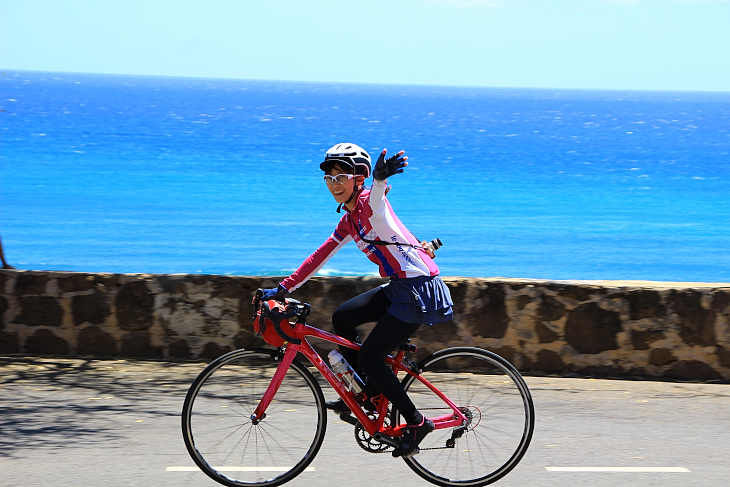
(617, 469)
(236, 469)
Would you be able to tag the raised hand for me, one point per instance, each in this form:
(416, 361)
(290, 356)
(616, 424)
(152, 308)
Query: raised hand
(385, 168)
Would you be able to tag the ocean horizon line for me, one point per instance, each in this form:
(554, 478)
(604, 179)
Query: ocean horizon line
(364, 84)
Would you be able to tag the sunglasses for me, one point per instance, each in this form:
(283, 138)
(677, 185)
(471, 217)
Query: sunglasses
(338, 179)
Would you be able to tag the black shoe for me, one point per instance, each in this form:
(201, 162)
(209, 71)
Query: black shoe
(412, 437)
(339, 405)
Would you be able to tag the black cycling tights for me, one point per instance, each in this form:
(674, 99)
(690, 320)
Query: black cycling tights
(389, 333)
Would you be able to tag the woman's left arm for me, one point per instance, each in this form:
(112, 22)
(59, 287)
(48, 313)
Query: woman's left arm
(385, 168)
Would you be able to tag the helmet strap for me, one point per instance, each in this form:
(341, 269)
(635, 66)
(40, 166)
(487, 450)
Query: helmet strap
(355, 192)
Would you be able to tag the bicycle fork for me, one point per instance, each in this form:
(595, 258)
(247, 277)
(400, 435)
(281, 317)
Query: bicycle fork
(285, 362)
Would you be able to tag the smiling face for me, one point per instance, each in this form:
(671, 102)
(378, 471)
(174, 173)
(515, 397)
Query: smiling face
(341, 191)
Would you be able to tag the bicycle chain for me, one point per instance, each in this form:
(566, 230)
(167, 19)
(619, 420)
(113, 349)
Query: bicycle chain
(367, 443)
(435, 447)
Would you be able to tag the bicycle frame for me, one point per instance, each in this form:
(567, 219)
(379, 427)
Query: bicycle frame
(302, 332)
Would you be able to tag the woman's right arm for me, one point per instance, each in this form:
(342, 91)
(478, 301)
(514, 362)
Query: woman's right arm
(315, 262)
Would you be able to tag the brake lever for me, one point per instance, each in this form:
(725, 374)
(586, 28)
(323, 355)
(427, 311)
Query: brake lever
(256, 301)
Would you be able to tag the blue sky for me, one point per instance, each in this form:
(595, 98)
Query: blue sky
(585, 44)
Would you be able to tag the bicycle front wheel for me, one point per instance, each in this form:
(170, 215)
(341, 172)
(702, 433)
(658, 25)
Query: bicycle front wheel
(497, 403)
(227, 445)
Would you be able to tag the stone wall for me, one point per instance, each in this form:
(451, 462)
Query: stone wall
(673, 330)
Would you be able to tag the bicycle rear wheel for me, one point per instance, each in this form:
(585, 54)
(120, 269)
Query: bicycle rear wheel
(500, 412)
(219, 433)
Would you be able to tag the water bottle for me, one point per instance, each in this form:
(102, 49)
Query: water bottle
(345, 373)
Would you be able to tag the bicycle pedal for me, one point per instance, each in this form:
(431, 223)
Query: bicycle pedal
(347, 417)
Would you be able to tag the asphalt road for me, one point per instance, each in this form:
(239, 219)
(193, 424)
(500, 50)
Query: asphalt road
(114, 423)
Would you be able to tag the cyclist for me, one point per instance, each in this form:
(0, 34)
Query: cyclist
(414, 296)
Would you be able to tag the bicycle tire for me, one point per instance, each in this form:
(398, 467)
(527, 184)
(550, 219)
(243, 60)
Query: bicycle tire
(501, 412)
(223, 441)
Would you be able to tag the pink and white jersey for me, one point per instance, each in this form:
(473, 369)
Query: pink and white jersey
(372, 219)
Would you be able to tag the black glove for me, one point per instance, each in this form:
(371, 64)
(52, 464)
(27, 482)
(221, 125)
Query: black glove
(274, 293)
(385, 168)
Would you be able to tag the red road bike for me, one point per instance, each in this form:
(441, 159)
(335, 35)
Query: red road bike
(257, 417)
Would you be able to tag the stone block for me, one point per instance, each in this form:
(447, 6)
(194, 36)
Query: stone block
(31, 283)
(245, 313)
(90, 308)
(171, 283)
(135, 305)
(591, 329)
(76, 283)
(723, 356)
(645, 303)
(341, 290)
(692, 370)
(550, 309)
(661, 357)
(545, 334)
(137, 344)
(213, 350)
(247, 339)
(721, 302)
(697, 323)
(548, 361)
(495, 315)
(45, 342)
(233, 288)
(522, 301)
(507, 353)
(443, 333)
(39, 311)
(576, 292)
(199, 315)
(642, 339)
(93, 341)
(3, 308)
(312, 292)
(488, 319)
(180, 349)
(457, 289)
(9, 342)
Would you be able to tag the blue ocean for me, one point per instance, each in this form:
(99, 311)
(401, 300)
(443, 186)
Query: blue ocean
(108, 173)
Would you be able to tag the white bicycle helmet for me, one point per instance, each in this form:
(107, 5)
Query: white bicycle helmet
(351, 155)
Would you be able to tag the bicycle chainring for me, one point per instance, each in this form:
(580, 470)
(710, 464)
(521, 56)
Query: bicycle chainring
(368, 443)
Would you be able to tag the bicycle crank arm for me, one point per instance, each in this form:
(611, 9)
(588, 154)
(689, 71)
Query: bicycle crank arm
(383, 438)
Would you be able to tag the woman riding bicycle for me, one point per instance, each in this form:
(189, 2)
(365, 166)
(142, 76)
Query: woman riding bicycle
(414, 296)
